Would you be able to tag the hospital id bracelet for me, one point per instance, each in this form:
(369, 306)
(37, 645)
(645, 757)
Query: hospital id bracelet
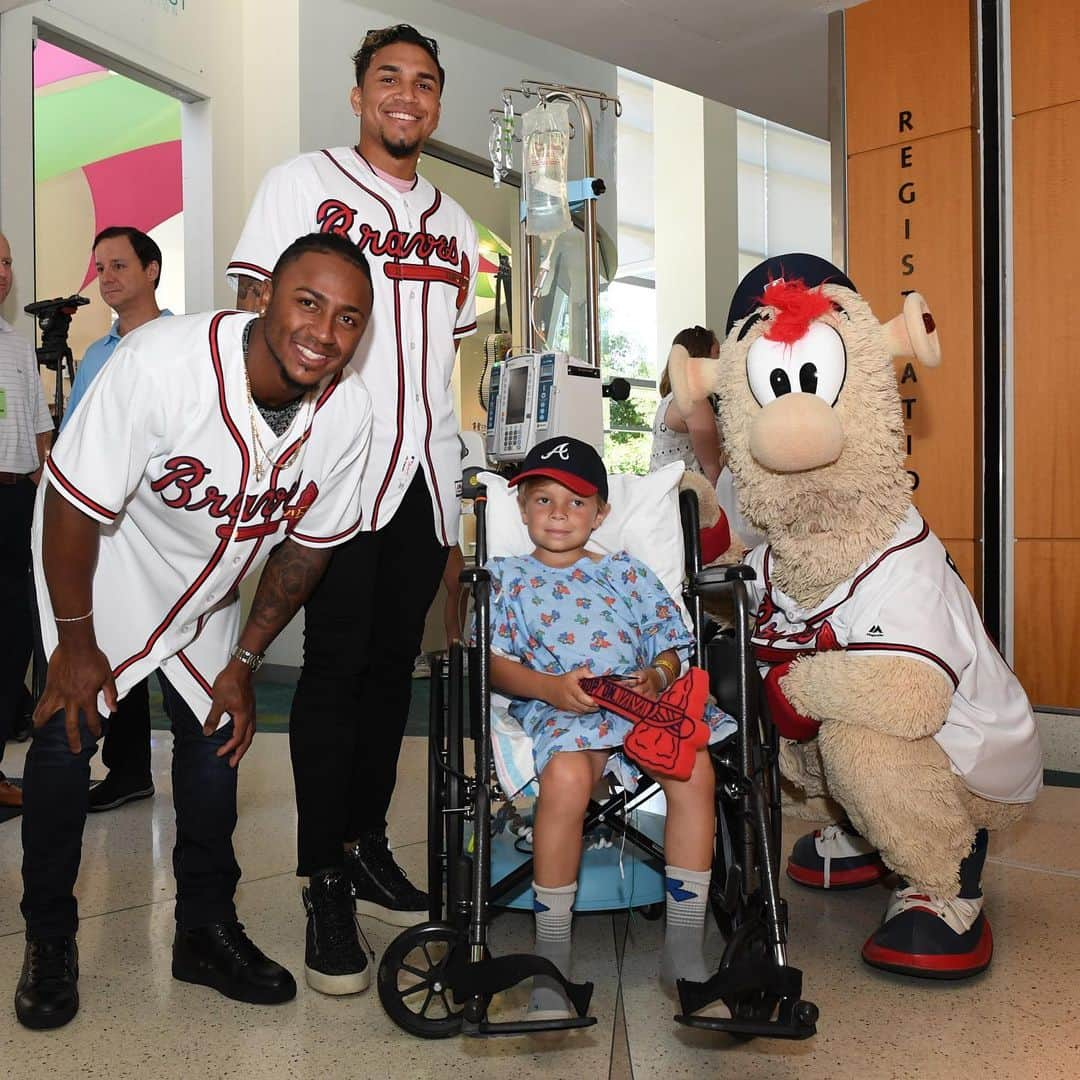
(246, 656)
(665, 675)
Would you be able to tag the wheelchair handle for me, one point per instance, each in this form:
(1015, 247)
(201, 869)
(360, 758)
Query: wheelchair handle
(714, 577)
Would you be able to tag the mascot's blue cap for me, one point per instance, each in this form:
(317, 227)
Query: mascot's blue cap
(810, 269)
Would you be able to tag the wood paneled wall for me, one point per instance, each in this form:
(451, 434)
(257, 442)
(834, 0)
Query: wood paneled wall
(1046, 223)
(912, 153)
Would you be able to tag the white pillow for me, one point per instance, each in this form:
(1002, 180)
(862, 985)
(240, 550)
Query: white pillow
(644, 520)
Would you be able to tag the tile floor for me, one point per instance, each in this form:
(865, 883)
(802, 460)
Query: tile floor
(1021, 1021)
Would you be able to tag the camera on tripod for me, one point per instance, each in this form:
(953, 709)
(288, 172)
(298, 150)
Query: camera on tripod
(54, 317)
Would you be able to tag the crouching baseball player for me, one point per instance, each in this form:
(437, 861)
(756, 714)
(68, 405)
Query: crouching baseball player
(208, 443)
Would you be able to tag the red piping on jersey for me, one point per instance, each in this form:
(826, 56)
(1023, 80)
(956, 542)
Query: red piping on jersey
(329, 539)
(821, 616)
(400, 356)
(249, 266)
(884, 646)
(72, 490)
(294, 446)
(219, 551)
(194, 672)
(423, 378)
(460, 330)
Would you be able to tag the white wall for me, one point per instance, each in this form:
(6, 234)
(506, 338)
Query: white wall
(480, 58)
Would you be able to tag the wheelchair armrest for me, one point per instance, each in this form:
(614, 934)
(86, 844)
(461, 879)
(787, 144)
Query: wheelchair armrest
(715, 577)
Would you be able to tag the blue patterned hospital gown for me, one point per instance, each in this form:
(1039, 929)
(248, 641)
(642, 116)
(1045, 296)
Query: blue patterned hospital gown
(612, 616)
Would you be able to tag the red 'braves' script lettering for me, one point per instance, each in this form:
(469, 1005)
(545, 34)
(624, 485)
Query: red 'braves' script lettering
(245, 517)
(335, 217)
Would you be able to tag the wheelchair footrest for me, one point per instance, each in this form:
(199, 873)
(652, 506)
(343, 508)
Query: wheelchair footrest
(483, 978)
(487, 1029)
(800, 1024)
(752, 993)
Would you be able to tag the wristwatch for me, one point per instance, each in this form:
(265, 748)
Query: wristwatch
(246, 656)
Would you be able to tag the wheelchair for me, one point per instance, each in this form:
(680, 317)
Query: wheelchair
(437, 979)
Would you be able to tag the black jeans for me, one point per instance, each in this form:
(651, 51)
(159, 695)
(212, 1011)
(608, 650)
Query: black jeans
(363, 628)
(55, 788)
(125, 750)
(16, 620)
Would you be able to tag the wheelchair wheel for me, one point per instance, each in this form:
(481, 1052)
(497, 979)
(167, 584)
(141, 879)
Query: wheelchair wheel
(412, 981)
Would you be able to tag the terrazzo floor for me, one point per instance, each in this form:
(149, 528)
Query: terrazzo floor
(1020, 1020)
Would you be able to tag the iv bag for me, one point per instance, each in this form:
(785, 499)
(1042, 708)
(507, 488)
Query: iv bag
(546, 138)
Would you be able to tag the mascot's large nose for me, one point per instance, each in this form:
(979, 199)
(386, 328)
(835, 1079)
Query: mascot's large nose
(796, 433)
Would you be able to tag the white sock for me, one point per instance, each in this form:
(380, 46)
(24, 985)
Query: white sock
(687, 902)
(554, 915)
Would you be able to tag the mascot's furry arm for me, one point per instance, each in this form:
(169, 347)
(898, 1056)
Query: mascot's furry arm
(841, 686)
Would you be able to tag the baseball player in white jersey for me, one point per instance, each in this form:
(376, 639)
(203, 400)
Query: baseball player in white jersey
(208, 444)
(910, 601)
(365, 621)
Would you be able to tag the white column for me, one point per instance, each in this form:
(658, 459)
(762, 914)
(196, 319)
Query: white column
(697, 236)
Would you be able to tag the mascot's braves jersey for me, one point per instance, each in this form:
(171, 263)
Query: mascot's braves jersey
(160, 452)
(909, 601)
(422, 249)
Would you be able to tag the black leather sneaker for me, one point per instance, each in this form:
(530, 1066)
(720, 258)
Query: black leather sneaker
(48, 992)
(335, 961)
(115, 790)
(223, 957)
(380, 886)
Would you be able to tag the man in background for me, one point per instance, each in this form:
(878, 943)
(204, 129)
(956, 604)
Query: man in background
(25, 433)
(128, 266)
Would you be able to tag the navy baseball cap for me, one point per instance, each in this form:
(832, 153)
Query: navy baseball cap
(573, 463)
(812, 270)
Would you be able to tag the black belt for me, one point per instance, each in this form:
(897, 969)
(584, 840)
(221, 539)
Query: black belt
(12, 477)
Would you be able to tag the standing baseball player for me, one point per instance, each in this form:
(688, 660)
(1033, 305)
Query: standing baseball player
(240, 439)
(365, 621)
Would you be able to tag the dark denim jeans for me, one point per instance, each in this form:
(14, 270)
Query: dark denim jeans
(55, 787)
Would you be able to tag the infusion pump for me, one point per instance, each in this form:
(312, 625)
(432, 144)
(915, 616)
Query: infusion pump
(535, 396)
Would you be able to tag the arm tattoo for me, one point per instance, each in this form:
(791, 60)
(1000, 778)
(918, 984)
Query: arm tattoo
(249, 293)
(288, 579)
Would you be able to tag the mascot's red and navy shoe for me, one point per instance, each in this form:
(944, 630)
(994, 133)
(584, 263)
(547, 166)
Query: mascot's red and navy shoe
(835, 857)
(932, 938)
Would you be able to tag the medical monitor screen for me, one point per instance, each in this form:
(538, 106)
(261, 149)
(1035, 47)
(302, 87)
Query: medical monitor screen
(516, 391)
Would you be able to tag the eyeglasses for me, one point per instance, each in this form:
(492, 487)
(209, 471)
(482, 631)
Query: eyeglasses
(375, 38)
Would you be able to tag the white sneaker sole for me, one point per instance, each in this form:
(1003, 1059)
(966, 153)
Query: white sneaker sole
(389, 915)
(338, 985)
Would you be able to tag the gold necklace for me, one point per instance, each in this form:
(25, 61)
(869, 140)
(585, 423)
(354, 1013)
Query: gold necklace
(257, 444)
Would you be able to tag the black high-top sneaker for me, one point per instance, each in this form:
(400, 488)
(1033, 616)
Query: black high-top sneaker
(335, 962)
(48, 992)
(224, 958)
(380, 886)
(931, 938)
(835, 857)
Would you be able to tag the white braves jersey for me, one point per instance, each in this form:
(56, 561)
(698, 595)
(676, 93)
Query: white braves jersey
(422, 249)
(908, 600)
(160, 452)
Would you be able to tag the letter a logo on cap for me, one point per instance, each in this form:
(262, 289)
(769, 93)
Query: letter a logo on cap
(563, 451)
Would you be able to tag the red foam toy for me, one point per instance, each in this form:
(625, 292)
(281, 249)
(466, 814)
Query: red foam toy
(667, 732)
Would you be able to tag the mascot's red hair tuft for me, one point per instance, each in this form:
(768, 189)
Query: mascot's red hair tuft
(796, 308)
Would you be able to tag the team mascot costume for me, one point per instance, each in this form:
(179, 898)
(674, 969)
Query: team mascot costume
(890, 697)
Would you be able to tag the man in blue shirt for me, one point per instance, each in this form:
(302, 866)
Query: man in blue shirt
(129, 268)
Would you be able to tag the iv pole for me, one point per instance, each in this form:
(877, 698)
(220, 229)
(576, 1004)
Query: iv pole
(575, 96)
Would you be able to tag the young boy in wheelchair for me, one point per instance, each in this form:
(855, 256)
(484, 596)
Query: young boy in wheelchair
(564, 614)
